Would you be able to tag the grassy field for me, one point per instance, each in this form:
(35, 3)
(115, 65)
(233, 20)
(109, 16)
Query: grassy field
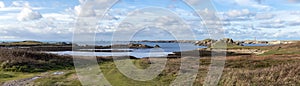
(32, 43)
(287, 49)
(8, 76)
(278, 66)
(275, 70)
(238, 71)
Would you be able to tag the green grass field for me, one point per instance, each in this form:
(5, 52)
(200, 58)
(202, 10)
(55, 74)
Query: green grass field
(238, 71)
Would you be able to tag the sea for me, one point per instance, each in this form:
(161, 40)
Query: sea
(165, 49)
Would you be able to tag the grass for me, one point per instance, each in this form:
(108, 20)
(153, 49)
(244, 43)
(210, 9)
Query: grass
(284, 74)
(69, 78)
(8, 76)
(254, 70)
(252, 64)
(266, 69)
(32, 43)
(285, 49)
(289, 51)
(22, 43)
(271, 66)
(20, 64)
(4, 75)
(116, 78)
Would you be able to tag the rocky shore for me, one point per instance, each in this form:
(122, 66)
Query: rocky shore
(210, 42)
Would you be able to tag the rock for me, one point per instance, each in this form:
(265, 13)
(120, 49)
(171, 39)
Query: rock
(156, 46)
(139, 46)
(205, 42)
(209, 42)
(228, 40)
(238, 43)
(58, 73)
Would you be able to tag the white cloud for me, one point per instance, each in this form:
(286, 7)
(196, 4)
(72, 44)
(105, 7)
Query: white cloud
(8, 37)
(252, 3)
(286, 34)
(276, 23)
(77, 9)
(82, 1)
(20, 4)
(294, 23)
(242, 21)
(245, 3)
(8, 16)
(84, 12)
(92, 8)
(45, 28)
(59, 17)
(2, 5)
(261, 16)
(28, 14)
(196, 2)
(237, 13)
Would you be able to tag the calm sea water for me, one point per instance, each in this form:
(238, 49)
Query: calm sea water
(164, 50)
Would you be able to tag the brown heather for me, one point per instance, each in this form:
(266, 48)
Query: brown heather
(285, 74)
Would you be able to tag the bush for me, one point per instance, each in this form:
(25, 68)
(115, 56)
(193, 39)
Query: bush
(17, 60)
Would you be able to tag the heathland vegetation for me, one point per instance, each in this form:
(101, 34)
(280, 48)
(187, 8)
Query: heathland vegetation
(276, 65)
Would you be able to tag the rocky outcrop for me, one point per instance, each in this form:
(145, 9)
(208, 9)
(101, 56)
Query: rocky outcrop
(205, 42)
(139, 46)
(156, 46)
(209, 42)
(229, 41)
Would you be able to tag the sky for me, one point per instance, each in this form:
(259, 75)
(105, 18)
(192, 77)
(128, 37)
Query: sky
(55, 20)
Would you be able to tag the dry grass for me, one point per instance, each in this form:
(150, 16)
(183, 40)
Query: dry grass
(285, 74)
(239, 70)
(249, 70)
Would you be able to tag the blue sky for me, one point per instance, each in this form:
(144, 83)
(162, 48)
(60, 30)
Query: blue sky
(54, 20)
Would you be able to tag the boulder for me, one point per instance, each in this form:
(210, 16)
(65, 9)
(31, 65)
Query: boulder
(228, 40)
(156, 46)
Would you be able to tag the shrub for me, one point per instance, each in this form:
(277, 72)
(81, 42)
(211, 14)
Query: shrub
(17, 60)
